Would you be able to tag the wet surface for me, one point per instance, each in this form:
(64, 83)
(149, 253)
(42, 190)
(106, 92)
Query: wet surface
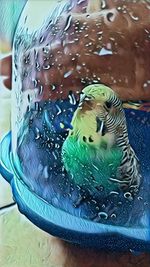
(41, 168)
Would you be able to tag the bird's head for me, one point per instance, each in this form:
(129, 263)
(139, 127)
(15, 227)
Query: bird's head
(99, 117)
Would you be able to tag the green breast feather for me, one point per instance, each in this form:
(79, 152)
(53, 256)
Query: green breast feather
(89, 166)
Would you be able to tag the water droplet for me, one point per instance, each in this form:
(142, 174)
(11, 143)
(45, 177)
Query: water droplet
(94, 201)
(37, 131)
(57, 145)
(35, 83)
(113, 216)
(59, 110)
(100, 33)
(29, 99)
(72, 98)
(47, 67)
(41, 40)
(68, 23)
(68, 73)
(40, 89)
(103, 215)
(45, 172)
(55, 156)
(36, 106)
(55, 201)
(80, 1)
(37, 65)
(88, 44)
(25, 20)
(53, 86)
(62, 126)
(103, 4)
(95, 81)
(35, 54)
(134, 17)
(78, 187)
(104, 52)
(114, 193)
(128, 196)
(78, 67)
(100, 188)
(46, 50)
(119, 8)
(110, 16)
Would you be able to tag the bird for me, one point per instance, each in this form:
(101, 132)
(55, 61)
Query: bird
(97, 154)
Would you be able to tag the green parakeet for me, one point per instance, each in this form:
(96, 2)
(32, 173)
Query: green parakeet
(97, 152)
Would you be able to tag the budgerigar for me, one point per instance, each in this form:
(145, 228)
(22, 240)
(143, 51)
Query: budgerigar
(97, 152)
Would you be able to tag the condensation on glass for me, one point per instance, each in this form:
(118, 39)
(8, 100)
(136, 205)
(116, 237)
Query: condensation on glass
(84, 149)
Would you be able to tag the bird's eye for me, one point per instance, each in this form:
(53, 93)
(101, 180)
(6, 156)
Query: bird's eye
(108, 104)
